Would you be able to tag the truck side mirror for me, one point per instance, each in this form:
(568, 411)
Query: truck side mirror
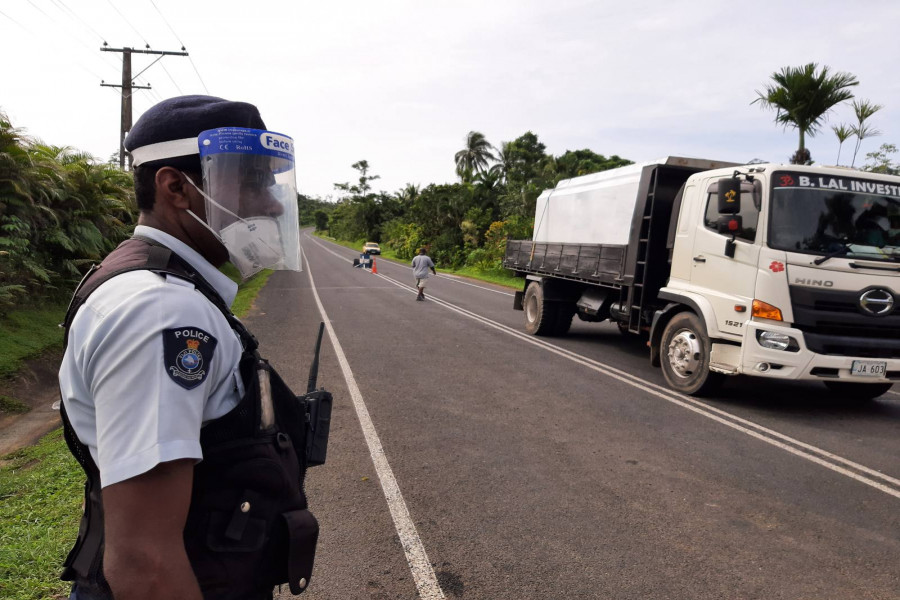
(730, 224)
(729, 196)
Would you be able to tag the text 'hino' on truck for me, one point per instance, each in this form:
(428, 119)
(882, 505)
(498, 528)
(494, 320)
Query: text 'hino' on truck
(779, 271)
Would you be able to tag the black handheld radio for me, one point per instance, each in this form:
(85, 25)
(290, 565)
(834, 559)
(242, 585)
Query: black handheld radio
(318, 411)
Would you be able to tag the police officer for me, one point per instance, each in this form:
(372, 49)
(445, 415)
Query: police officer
(186, 435)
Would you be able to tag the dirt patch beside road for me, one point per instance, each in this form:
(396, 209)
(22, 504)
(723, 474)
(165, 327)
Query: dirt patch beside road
(37, 387)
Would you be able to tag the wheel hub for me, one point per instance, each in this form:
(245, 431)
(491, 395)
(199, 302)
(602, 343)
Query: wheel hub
(685, 353)
(531, 309)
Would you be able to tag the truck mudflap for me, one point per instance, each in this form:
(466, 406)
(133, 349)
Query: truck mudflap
(519, 300)
(801, 363)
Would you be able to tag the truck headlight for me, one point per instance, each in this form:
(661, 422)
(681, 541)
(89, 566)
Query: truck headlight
(776, 341)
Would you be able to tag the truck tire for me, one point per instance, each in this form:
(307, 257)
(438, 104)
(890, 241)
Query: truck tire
(565, 311)
(684, 354)
(540, 316)
(861, 392)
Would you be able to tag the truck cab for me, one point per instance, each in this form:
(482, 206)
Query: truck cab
(804, 286)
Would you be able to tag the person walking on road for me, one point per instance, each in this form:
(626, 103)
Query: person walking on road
(194, 481)
(421, 265)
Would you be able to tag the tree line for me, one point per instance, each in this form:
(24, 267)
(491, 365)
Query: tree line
(461, 223)
(60, 210)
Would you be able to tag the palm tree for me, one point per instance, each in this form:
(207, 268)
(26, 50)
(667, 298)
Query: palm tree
(474, 157)
(863, 109)
(802, 96)
(408, 194)
(504, 161)
(843, 133)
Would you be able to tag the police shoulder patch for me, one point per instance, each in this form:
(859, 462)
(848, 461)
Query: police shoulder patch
(187, 355)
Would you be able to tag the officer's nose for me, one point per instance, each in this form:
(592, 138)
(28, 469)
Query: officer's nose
(262, 203)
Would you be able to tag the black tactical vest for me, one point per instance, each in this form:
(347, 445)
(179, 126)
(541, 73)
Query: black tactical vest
(248, 528)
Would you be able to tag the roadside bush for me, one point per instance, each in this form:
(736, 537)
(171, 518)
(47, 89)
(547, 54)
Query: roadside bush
(59, 210)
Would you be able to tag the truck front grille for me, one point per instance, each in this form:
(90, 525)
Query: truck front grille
(833, 323)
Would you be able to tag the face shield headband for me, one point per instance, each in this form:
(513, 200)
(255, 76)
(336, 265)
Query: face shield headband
(250, 190)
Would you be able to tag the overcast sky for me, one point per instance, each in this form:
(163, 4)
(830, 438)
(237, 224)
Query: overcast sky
(400, 83)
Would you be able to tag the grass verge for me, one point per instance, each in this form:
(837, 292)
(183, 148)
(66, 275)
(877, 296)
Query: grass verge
(40, 505)
(502, 277)
(247, 290)
(26, 333)
(12, 406)
(41, 486)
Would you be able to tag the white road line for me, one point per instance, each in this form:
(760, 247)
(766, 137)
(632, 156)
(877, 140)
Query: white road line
(893, 392)
(422, 572)
(453, 278)
(750, 428)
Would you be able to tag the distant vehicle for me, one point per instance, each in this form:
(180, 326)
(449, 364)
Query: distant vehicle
(783, 271)
(372, 248)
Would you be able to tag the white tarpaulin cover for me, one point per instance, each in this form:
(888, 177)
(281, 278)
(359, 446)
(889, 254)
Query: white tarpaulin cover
(598, 208)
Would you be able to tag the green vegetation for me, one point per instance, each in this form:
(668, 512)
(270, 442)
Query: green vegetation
(40, 505)
(863, 110)
(801, 98)
(464, 224)
(28, 332)
(880, 161)
(60, 209)
(499, 276)
(12, 406)
(248, 290)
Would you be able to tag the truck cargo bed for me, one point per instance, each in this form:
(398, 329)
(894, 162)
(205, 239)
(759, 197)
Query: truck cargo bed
(594, 263)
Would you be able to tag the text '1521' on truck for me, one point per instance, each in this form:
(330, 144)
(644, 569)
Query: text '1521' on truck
(779, 271)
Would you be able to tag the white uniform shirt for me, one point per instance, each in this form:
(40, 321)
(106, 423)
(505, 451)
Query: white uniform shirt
(149, 360)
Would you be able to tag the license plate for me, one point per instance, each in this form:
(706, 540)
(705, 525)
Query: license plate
(868, 368)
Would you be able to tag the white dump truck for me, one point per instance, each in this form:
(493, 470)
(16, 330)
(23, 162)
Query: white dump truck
(779, 271)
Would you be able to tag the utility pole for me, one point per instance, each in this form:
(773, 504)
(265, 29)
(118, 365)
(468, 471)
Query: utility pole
(128, 85)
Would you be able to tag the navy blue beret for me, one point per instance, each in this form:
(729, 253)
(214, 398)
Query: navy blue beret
(186, 117)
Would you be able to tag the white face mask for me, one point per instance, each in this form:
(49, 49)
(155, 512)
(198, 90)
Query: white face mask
(253, 244)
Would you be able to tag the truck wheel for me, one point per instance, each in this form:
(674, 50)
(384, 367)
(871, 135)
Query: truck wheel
(857, 391)
(684, 354)
(565, 311)
(540, 316)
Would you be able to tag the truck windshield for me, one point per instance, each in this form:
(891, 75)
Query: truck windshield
(846, 216)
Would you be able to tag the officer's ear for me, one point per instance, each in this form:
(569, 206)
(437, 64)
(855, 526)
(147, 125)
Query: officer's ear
(173, 189)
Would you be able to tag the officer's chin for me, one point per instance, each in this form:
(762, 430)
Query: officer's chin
(213, 250)
(221, 255)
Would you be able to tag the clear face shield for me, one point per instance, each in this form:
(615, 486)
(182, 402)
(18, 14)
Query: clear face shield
(251, 197)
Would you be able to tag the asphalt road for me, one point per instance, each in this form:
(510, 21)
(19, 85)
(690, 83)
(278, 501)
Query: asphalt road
(468, 460)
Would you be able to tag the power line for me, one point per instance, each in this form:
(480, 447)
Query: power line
(128, 22)
(166, 21)
(67, 32)
(39, 9)
(82, 21)
(167, 24)
(198, 74)
(172, 78)
(17, 23)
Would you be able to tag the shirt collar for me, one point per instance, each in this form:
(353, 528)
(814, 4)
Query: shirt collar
(225, 287)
